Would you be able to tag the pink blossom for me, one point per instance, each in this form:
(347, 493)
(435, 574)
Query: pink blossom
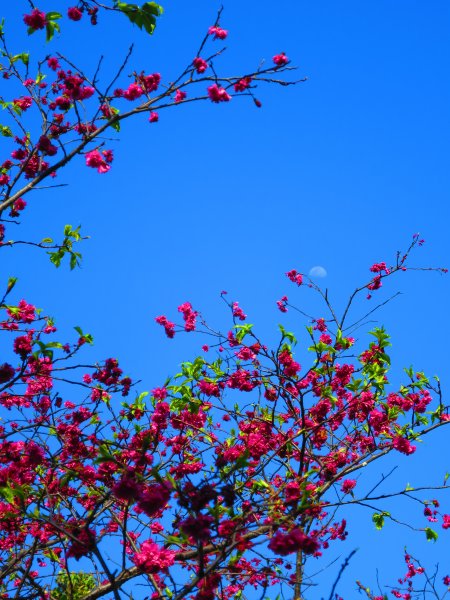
(150, 83)
(154, 117)
(23, 312)
(23, 103)
(83, 543)
(96, 161)
(159, 393)
(284, 544)
(282, 304)
(320, 325)
(127, 488)
(22, 346)
(53, 63)
(74, 13)
(245, 354)
(242, 84)
(375, 284)
(271, 394)
(292, 492)
(153, 498)
(295, 277)
(152, 558)
(218, 93)
(446, 521)
(107, 111)
(208, 388)
(133, 92)
(189, 316)
(46, 147)
(198, 527)
(238, 312)
(180, 96)
(35, 20)
(280, 59)
(404, 446)
(217, 32)
(169, 327)
(379, 267)
(348, 485)
(200, 64)
(108, 154)
(17, 207)
(325, 338)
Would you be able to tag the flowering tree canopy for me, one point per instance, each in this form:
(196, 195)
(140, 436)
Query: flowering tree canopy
(231, 477)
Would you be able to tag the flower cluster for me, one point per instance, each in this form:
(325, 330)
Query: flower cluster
(169, 327)
(151, 558)
(218, 94)
(100, 161)
(189, 316)
(295, 277)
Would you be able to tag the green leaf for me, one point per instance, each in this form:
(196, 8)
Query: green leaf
(432, 536)
(105, 455)
(116, 126)
(287, 335)
(15, 108)
(56, 257)
(7, 494)
(5, 131)
(242, 331)
(53, 16)
(11, 493)
(73, 261)
(24, 57)
(11, 283)
(88, 338)
(385, 358)
(50, 29)
(143, 16)
(378, 519)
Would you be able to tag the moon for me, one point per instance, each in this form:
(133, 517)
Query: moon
(317, 271)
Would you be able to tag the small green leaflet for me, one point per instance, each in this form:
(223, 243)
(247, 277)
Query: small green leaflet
(378, 519)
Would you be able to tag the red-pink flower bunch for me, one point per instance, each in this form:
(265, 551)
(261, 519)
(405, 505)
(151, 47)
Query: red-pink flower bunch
(189, 316)
(35, 20)
(295, 540)
(217, 32)
(169, 327)
(295, 277)
(218, 94)
(151, 558)
(99, 160)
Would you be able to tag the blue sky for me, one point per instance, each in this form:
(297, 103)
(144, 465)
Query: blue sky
(339, 171)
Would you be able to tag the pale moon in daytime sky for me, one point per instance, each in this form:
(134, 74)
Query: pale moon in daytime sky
(317, 272)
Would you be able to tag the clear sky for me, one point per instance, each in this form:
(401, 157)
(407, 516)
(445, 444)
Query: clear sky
(337, 172)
